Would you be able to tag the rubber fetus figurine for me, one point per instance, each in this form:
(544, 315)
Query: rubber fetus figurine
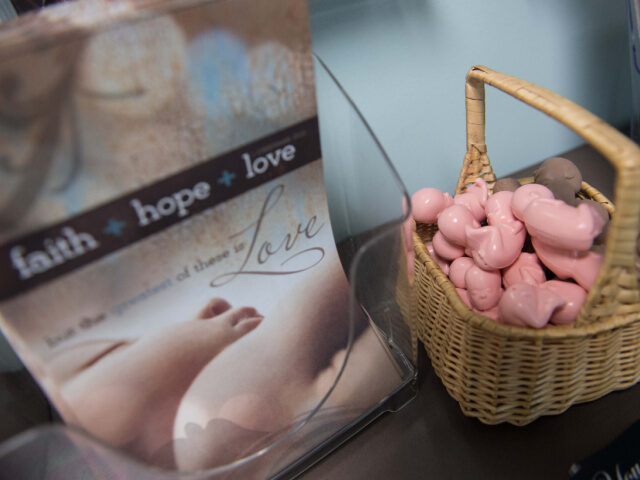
(524, 195)
(498, 208)
(500, 243)
(492, 313)
(430, 203)
(583, 267)
(474, 198)
(526, 305)
(574, 297)
(526, 269)
(554, 301)
(495, 247)
(433, 205)
(554, 221)
(458, 269)
(563, 190)
(506, 184)
(563, 226)
(442, 263)
(453, 221)
(427, 203)
(484, 287)
(445, 249)
(554, 171)
(560, 234)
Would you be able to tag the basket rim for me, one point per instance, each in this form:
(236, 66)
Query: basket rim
(510, 331)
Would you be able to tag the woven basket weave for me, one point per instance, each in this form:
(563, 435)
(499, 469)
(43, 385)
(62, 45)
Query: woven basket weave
(500, 373)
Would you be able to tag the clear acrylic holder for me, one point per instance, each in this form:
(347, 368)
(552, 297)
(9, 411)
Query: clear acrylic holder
(365, 199)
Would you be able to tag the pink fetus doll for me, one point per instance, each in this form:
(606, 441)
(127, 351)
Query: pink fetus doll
(484, 287)
(496, 246)
(458, 269)
(583, 267)
(555, 223)
(524, 195)
(499, 244)
(498, 209)
(445, 249)
(474, 198)
(529, 305)
(574, 297)
(560, 234)
(442, 263)
(453, 222)
(492, 313)
(427, 203)
(482, 296)
(526, 305)
(430, 204)
(526, 269)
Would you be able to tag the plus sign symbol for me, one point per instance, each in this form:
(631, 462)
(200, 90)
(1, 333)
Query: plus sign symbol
(226, 178)
(114, 227)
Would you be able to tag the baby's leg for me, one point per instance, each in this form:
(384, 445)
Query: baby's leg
(267, 381)
(128, 395)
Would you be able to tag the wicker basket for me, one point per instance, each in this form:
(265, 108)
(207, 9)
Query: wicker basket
(500, 373)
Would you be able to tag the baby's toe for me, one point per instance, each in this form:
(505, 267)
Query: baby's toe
(215, 307)
(242, 320)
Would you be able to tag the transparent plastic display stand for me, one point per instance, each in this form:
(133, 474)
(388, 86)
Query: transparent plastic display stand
(365, 201)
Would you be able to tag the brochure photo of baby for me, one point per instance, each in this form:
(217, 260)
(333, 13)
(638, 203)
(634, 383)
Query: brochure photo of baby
(168, 272)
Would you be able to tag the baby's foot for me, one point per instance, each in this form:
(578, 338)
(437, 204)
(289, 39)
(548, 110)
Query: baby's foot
(227, 324)
(128, 393)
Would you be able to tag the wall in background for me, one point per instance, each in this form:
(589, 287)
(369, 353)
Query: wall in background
(404, 62)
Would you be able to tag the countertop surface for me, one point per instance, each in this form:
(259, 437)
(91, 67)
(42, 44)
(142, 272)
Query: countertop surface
(431, 438)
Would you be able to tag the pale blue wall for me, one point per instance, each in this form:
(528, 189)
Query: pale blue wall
(404, 62)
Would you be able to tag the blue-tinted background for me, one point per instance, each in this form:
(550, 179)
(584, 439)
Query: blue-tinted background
(404, 63)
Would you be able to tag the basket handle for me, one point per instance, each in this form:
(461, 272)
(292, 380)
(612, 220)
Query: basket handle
(615, 291)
